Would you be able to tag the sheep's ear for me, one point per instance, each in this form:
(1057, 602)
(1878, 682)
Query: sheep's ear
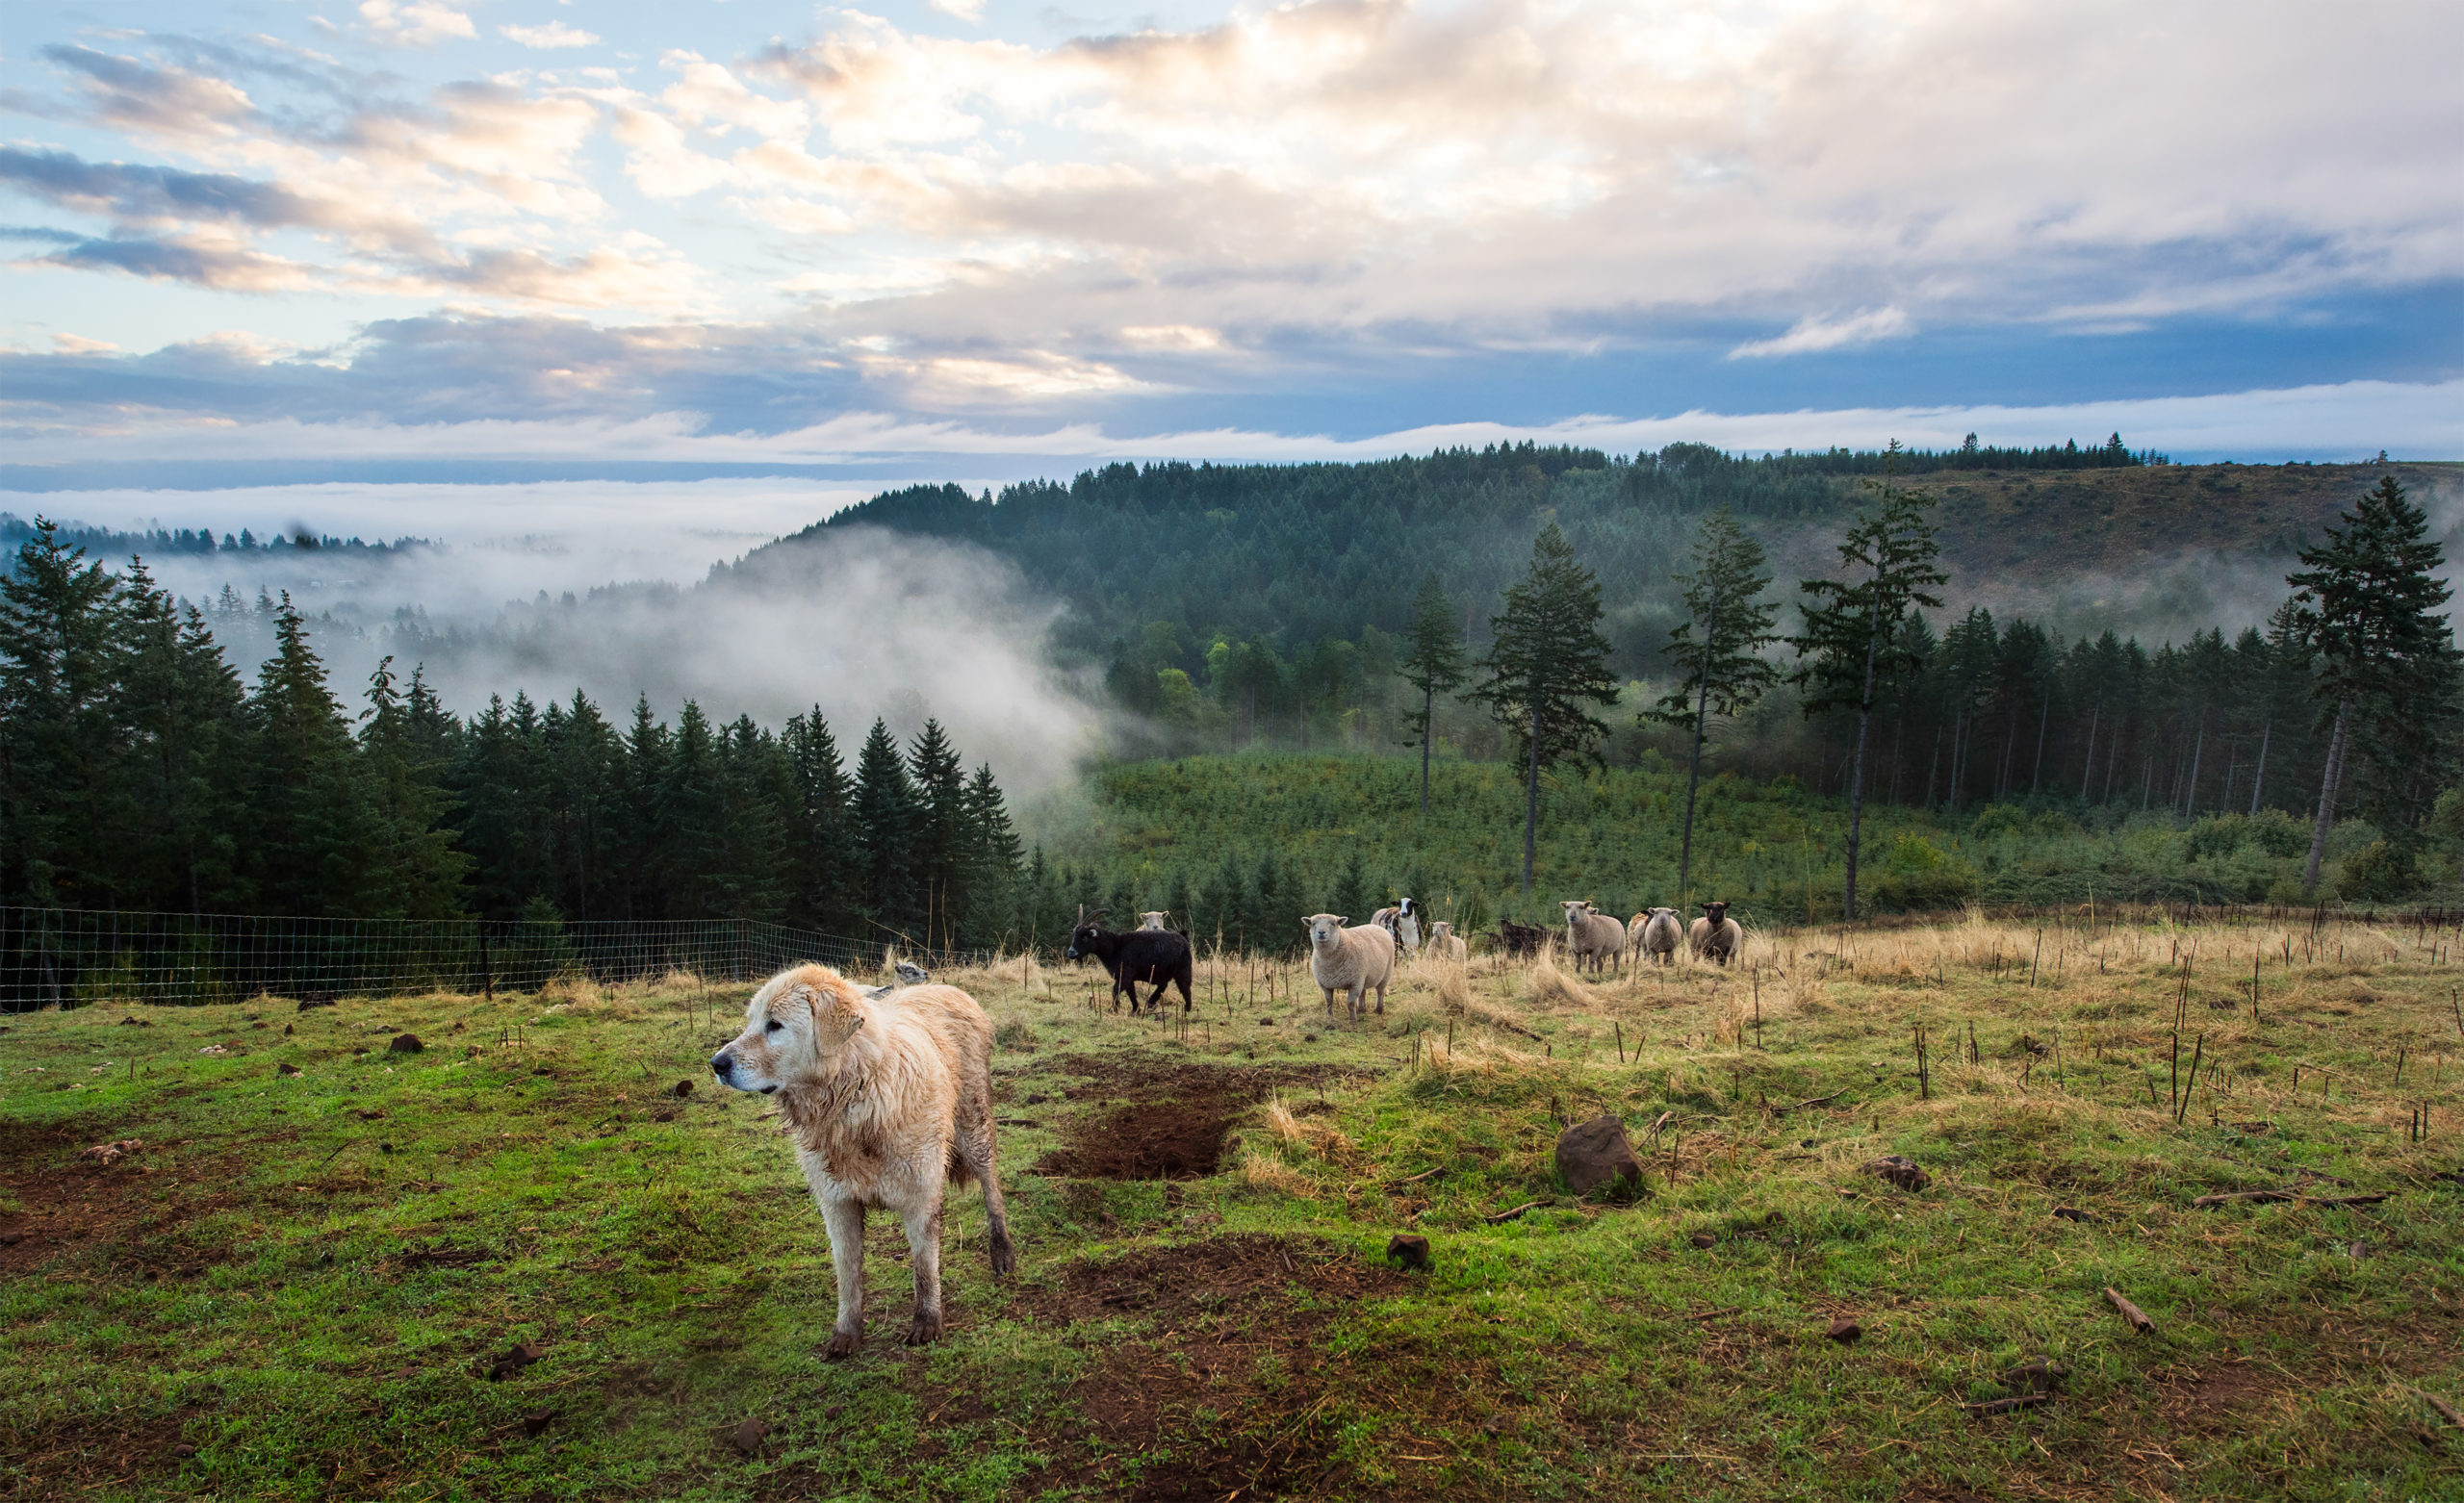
(1343, 918)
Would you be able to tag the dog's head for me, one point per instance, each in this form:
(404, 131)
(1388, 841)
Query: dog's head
(794, 1026)
(1324, 928)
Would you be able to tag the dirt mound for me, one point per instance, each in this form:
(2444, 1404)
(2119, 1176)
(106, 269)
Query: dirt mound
(1159, 1119)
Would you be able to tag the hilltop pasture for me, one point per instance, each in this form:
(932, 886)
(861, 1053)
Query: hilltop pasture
(543, 1258)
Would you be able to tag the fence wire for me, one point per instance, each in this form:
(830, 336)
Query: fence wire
(71, 957)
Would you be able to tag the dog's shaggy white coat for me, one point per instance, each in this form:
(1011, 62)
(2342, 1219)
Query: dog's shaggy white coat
(889, 1099)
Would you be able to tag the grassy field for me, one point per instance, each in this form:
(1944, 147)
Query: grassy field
(531, 1260)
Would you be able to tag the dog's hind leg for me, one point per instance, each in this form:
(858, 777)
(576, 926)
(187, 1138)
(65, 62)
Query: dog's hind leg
(976, 1154)
(845, 1220)
(924, 1256)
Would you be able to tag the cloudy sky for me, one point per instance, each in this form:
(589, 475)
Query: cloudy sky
(347, 240)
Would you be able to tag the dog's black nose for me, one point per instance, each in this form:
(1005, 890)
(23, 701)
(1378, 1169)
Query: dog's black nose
(722, 1066)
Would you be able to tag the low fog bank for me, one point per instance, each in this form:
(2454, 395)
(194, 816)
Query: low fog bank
(624, 591)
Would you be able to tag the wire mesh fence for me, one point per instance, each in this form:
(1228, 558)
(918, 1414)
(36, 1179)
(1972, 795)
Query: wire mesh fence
(70, 957)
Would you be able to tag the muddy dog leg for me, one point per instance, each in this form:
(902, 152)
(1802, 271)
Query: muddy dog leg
(845, 1220)
(924, 1256)
(976, 1153)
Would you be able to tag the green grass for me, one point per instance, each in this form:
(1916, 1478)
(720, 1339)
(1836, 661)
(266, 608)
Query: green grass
(263, 1301)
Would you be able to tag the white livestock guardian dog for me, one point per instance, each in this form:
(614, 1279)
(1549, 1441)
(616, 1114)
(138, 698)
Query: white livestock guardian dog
(890, 1097)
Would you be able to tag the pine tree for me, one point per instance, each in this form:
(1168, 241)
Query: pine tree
(639, 846)
(582, 751)
(1434, 665)
(1181, 901)
(693, 808)
(938, 840)
(824, 849)
(2367, 598)
(183, 776)
(415, 871)
(1851, 638)
(1352, 895)
(59, 617)
(1548, 661)
(992, 863)
(1719, 645)
(884, 813)
(310, 822)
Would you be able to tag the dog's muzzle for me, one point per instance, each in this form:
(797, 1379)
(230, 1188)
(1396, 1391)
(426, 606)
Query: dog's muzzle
(723, 1065)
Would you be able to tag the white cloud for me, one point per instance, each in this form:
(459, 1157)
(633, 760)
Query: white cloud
(414, 23)
(548, 38)
(969, 11)
(1811, 334)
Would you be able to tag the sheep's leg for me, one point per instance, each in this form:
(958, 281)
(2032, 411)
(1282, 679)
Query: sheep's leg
(1358, 999)
(924, 1256)
(1381, 999)
(976, 1153)
(845, 1220)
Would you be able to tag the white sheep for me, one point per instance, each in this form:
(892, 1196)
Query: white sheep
(1156, 920)
(1348, 960)
(1403, 922)
(1592, 935)
(1715, 936)
(1442, 944)
(1655, 932)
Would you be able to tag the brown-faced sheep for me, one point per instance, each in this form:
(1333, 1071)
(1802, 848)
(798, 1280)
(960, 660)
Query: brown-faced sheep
(1592, 936)
(1715, 936)
(1443, 943)
(1348, 960)
(1656, 932)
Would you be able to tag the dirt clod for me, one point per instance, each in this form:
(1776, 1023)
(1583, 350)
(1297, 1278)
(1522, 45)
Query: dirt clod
(1407, 1251)
(1705, 1240)
(105, 1155)
(747, 1437)
(522, 1355)
(1898, 1169)
(683, 1089)
(536, 1420)
(404, 1044)
(1843, 1331)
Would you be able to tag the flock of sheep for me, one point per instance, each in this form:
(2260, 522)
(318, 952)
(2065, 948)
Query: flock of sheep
(1356, 959)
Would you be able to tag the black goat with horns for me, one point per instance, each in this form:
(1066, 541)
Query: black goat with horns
(1159, 956)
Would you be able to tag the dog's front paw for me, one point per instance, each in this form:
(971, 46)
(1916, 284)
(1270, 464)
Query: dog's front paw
(925, 1327)
(842, 1345)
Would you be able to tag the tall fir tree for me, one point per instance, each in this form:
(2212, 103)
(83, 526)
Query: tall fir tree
(415, 871)
(181, 707)
(828, 895)
(993, 864)
(1719, 645)
(59, 743)
(2368, 597)
(884, 815)
(1547, 662)
(1850, 641)
(938, 841)
(312, 821)
(1433, 664)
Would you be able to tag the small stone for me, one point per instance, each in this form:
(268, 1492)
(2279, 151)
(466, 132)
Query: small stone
(1595, 1153)
(286, 1069)
(1844, 1330)
(1705, 1240)
(184, 1450)
(1408, 1251)
(683, 1089)
(747, 1437)
(2073, 1213)
(404, 1044)
(536, 1420)
(1900, 1170)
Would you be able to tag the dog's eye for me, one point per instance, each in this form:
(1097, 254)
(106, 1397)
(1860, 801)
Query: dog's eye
(774, 1026)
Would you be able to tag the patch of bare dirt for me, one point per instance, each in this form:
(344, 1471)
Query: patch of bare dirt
(1154, 1118)
(77, 1455)
(66, 1206)
(1241, 1393)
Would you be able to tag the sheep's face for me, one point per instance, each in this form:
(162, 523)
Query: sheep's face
(1716, 913)
(1441, 929)
(1405, 907)
(1663, 913)
(1324, 928)
(1575, 908)
(1152, 920)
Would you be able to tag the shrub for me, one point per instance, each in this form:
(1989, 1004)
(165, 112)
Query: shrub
(1998, 819)
(2373, 873)
(2218, 834)
(2279, 834)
